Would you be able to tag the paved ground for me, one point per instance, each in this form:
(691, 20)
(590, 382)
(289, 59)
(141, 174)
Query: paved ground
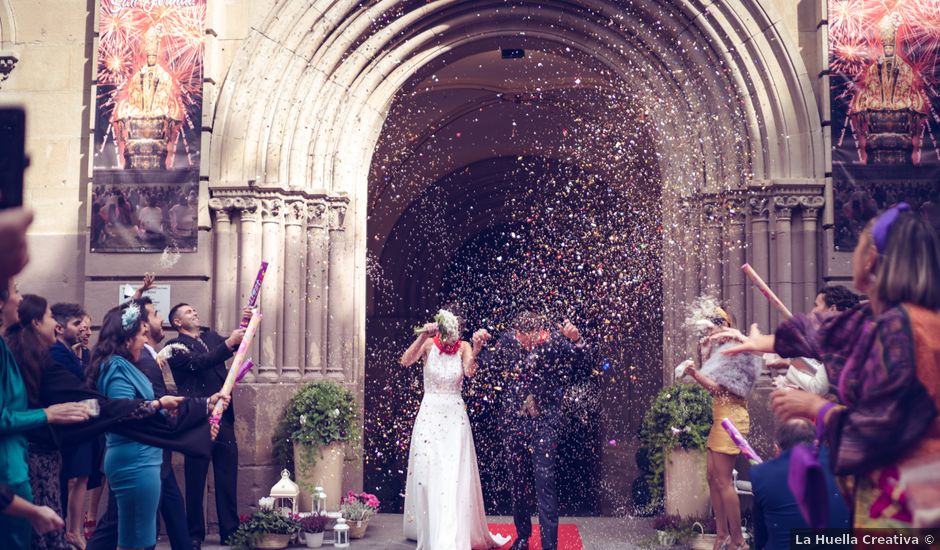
(596, 534)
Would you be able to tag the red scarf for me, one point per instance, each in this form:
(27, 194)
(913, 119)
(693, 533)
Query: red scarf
(446, 349)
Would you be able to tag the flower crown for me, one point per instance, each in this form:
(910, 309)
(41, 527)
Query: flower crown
(129, 316)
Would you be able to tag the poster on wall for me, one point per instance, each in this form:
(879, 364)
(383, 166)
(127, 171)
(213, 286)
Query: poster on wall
(148, 123)
(884, 68)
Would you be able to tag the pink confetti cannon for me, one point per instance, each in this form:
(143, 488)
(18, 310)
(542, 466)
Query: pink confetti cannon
(255, 291)
(765, 290)
(236, 367)
(739, 440)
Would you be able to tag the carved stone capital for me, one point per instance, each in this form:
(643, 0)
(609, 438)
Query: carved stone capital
(7, 62)
(811, 206)
(338, 207)
(247, 208)
(736, 209)
(759, 208)
(271, 210)
(711, 213)
(295, 213)
(316, 214)
(222, 213)
(783, 206)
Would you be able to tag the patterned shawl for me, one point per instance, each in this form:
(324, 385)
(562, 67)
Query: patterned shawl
(872, 360)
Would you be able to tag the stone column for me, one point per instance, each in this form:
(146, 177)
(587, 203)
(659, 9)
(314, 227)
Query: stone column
(691, 251)
(316, 304)
(294, 288)
(735, 282)
(782, 284)
(250, 254)
(271, 246)
(712, 253)
(760, 258)
(811, 208)
(339, 295)
(224, 290)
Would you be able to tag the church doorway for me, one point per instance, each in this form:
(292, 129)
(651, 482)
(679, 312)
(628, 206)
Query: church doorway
(501, 186)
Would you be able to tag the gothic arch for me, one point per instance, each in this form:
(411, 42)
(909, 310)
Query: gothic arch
(304, 103)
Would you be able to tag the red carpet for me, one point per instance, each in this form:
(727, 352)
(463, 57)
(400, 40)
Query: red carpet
(568, 536)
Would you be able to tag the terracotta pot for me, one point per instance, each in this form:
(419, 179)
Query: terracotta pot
(357, 529)
(273, 540)
(326, 472)
(686, 483)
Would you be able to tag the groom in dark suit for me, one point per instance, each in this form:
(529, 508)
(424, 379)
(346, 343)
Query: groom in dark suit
(537, 364)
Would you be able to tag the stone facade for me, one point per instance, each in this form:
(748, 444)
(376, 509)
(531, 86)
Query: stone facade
(296, 97)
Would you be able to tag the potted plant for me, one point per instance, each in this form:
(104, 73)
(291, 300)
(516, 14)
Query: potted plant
(672, 530)
(265, 528)
(313, 526)
(674, 432)
(357, 508)
(321, 420)
(703, 533)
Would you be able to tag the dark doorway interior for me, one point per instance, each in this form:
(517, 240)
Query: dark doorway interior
(498, 237)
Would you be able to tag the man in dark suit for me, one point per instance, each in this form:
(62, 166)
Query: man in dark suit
(172, 506)
(775, 509)
(200, 373)
(537, 366)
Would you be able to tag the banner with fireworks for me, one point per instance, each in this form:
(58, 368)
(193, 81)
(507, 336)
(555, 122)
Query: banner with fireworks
(148, 121)
(884, 65)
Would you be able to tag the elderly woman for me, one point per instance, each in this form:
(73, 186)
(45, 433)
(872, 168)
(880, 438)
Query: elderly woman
(885, 356)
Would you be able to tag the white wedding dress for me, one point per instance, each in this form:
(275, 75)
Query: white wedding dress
(443, 498)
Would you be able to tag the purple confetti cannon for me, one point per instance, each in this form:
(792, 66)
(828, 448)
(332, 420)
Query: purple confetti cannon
(255, 291)
(739, 440)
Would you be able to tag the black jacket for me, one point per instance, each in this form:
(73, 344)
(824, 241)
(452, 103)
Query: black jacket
(188, 434)
(202, 371)
(545, 373)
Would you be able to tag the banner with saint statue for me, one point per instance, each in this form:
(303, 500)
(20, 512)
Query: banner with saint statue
(884, 70)
(148, 124)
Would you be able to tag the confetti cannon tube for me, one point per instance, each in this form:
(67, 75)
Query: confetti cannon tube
(739, 440)
(233, 371)
(765, 290)
(255, 291)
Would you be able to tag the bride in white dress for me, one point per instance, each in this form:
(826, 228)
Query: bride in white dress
(443, 498)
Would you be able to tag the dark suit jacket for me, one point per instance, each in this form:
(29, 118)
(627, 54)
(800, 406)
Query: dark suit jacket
(189, 434)
(202, 371)
(775, 509)
(545, 375)
(148, 365)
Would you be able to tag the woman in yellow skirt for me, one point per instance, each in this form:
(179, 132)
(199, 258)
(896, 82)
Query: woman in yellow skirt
(729, 379)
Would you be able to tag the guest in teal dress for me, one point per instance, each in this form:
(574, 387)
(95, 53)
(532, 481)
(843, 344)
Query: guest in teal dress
(15, 420)
(132, 468)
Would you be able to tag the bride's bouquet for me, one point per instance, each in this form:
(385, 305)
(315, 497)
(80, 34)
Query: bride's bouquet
(447, 324)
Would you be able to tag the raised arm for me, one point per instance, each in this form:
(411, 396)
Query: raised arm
(472, 351)
(417, 350)
(710, 385)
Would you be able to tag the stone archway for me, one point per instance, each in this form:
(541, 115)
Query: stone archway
(304, 103)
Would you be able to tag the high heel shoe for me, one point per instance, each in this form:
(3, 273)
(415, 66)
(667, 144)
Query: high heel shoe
(88, 528)
(722, 544)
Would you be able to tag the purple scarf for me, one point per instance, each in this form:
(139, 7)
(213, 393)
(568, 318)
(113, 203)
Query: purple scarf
(872, 359)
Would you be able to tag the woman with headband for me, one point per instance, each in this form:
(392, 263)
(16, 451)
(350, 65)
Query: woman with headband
(885, 357)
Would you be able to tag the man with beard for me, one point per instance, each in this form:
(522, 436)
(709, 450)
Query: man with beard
(202, 372)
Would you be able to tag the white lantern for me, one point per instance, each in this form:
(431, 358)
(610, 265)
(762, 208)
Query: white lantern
(319, 500)
(341, 534)
(285, 494)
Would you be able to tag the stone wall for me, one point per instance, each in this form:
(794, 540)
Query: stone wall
(269, 204)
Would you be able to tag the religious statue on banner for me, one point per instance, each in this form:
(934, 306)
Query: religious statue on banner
(148, 113)
(889, 110)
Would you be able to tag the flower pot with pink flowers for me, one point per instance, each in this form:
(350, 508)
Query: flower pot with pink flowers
(357, 508)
